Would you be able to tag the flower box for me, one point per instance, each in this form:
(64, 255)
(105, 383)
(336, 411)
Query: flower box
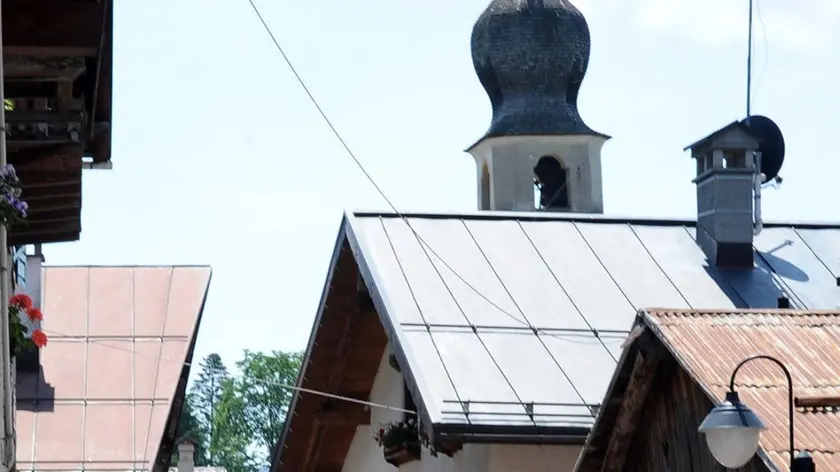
(403, 454)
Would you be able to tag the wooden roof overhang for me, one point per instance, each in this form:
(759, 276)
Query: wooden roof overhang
(346, 347)
(57, 67)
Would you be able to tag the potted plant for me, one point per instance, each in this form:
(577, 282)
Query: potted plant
(23, 317)
(12, 208)
(23, 322)
(401, 441)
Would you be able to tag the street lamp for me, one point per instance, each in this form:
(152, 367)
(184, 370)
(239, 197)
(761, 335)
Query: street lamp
(732, 429)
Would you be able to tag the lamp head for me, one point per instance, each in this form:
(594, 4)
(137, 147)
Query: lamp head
(732, 432)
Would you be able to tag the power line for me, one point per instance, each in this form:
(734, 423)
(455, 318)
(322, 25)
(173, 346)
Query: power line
(385, 196)
(265, 382)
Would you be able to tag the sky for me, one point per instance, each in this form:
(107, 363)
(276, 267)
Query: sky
(219, 158)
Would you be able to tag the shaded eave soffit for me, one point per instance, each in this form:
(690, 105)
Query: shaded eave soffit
(395, 338)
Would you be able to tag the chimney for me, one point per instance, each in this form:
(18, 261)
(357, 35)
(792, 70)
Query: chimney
(186, 453)
(726, 177)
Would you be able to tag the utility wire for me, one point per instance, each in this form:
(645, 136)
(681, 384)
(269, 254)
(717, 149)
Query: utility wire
(765, 50)
(265, 382)
(384, 195)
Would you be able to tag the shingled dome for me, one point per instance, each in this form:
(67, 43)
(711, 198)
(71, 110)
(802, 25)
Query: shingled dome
(531, 57)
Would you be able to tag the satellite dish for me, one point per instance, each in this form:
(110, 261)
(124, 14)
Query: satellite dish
(772, 145)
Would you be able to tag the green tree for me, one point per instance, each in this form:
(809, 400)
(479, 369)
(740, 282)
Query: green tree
(206, 395)
(233, 448)
(253, 408)
(189, 426)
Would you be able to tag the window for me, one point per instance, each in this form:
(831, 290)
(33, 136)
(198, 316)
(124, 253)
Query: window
(485, 187)
(551, 180)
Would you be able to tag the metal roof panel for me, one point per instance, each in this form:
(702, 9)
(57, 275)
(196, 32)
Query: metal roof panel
(548, 278)
(119, 340)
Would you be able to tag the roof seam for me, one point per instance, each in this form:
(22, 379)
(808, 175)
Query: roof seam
(603, 266)
(526, 321)
(86, 374)
(134, 369)
(417, 304)
(157, 370)
(816, 256)
(565, 292)
(658, 265)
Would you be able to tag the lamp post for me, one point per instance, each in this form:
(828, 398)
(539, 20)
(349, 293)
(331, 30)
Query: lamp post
(732, 429)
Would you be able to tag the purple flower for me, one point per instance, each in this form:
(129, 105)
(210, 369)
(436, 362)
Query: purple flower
(8, 173)
(21, 207)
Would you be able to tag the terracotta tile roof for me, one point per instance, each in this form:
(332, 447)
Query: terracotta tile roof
(119, 339)
(710, 344)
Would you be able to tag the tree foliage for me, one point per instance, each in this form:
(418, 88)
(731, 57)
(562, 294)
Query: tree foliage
(206, 394)
(190, 427)
(239, 418)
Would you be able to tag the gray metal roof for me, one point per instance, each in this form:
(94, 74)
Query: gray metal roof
(556, 295)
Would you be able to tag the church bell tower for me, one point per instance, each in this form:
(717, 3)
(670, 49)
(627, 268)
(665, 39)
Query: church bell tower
(531, 57)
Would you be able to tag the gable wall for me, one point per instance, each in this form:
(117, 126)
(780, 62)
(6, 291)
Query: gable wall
(667, 438)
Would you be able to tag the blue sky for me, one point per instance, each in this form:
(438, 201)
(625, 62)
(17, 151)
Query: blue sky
(219, 157)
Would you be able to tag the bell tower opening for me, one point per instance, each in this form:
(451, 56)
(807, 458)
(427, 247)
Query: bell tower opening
(484, 189)
(551, 179)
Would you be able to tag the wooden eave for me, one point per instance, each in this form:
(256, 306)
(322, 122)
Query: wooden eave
(59, 81)
(345, 351)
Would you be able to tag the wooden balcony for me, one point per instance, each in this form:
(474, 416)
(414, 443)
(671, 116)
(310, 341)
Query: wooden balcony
(57, 57)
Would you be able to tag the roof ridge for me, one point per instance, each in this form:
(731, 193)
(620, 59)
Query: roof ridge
(742, 311)
(573, 217)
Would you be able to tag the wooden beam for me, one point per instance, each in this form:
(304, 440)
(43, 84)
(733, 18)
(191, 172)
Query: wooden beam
(57, 212)
(30, 89)
(36, 198)
(28, 117)
(641, 379)
(342, 353)
(21, 239)
(338, 413)
(52, 26)
(310, 459)
(817, 402)
(61, 157)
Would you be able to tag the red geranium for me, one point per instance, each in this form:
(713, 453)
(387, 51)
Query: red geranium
(21, 300)
(39, 338)
(24, 331)
(34, 314)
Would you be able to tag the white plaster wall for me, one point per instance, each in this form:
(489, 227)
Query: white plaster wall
(527, 458)
(365, 455)
(511, 161)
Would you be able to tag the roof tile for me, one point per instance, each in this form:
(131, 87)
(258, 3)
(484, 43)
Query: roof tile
(710, 344)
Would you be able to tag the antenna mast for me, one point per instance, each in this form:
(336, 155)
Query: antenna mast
(749, 59)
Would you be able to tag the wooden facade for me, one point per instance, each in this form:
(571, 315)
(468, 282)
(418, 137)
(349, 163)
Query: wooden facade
(650, 419)
(57, 81)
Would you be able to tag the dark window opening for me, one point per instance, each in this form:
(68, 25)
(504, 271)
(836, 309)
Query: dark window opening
(408, 401)
(551, 180)
(485, 187)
